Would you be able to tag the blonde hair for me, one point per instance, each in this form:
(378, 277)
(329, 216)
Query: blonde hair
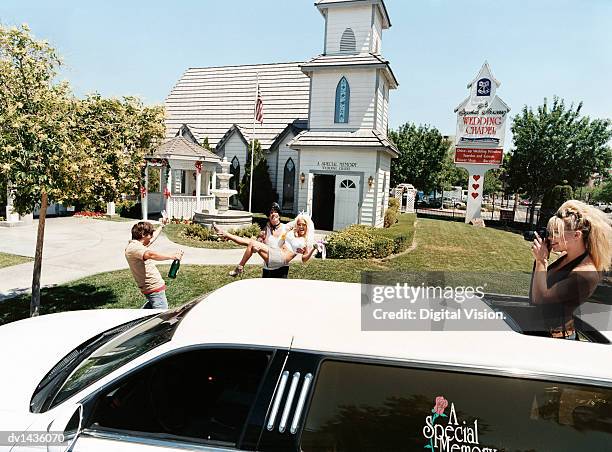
(309, 236)
(596, 230)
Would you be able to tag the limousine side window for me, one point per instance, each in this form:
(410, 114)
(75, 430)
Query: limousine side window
(199, 396)
(365, 407)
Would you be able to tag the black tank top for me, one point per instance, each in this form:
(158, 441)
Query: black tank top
(556, 315)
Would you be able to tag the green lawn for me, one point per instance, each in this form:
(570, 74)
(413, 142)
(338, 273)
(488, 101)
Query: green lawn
(500, 260)
(7, 260)
(473, 255)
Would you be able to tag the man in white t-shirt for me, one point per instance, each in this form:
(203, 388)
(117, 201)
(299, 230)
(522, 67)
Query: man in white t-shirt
(273, 236)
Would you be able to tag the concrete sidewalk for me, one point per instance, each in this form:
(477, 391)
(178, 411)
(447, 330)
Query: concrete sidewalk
(79, 247)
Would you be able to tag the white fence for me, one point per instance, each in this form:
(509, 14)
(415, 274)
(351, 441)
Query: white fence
(180, 206)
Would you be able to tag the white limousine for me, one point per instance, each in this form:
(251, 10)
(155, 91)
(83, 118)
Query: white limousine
(283, 365)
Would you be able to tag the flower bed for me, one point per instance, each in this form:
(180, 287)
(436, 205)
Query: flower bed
(89, 214)
(181, 220)
(205, 234)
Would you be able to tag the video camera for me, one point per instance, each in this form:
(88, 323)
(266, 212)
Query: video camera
(531, 235)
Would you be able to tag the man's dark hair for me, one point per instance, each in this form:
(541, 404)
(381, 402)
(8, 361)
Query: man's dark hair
(274, 208)
(141, 229)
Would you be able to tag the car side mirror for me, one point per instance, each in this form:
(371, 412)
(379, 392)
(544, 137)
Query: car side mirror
(67, 425)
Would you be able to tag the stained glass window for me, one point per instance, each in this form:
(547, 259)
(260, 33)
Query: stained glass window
(343, 95)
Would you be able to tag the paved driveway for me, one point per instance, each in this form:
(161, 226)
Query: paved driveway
(79, 247)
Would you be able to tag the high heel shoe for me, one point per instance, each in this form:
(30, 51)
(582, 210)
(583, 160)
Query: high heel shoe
(236, 271)
(220, 233)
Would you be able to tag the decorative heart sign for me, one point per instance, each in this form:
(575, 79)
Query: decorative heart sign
(475, 186)
(474, 195)
(476, 177)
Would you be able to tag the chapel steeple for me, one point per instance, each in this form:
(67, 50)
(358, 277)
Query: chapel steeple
(345, 155)
(353, 26)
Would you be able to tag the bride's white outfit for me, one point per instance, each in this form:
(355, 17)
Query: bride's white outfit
(292, 243)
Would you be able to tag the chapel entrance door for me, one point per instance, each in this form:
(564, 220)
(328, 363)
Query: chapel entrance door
(347, 201)
(323, 201)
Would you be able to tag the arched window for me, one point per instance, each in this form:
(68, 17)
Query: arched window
(347, 183)
(288, 184)
(235, 171)
(343, 97)
(347, 41)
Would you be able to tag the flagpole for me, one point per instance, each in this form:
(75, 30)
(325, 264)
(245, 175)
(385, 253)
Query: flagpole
(253, 144)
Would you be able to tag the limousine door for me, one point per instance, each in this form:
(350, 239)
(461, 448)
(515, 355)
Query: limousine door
(204, 398)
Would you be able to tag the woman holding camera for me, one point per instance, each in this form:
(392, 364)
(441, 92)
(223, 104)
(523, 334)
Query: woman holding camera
(583, 236)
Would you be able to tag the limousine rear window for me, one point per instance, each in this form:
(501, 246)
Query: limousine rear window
(363, 407)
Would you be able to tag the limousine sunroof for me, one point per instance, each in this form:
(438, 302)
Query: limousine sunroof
(524, 318)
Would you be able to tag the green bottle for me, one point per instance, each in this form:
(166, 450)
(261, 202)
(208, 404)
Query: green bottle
(174, 268)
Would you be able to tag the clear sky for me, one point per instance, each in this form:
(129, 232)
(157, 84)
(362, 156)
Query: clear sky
(536, 48)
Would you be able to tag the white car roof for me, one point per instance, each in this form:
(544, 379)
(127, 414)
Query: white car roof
(325, 316)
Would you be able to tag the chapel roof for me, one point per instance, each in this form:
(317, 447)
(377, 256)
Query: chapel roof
(180, 146)
(353, 61)
(353, 139)
(213, 99)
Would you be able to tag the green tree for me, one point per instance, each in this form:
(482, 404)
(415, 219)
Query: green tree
(422, 152)
(38, 155)
(603, 193)
(263, 194)
(56, 148)
(118, 134)
(451, 174)
(555, 143)
(205, 144)
(492, 182)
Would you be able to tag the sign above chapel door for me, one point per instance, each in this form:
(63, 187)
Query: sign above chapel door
(337, 165)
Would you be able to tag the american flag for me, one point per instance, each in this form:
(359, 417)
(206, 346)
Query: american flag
(259, 107)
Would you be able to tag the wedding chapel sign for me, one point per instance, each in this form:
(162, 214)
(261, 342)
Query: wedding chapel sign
(481, 128)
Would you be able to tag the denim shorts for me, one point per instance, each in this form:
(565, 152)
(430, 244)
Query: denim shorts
(156, 300)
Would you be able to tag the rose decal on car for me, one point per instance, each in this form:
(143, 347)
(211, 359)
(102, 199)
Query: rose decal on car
(451, 433)
(438, 411)
(441, 404)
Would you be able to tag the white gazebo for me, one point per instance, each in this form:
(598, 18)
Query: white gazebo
(179, 177)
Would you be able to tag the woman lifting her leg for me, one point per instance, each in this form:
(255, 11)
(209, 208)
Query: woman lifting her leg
(300, 240)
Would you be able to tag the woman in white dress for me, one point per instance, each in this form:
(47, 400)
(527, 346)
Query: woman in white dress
(299, 240)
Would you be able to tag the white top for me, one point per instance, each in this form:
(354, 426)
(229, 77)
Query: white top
(294, 243)
(274, 242)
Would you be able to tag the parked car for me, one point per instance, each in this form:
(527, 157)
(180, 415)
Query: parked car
(429, 203)
(453, 202)
(283, 365)
(607, 208)
(434, 203)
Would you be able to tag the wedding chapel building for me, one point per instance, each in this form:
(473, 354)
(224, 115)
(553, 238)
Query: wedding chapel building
(324, 130)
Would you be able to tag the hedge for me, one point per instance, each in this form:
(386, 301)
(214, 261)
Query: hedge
(366, 242)
(392, 212)
(206, 234)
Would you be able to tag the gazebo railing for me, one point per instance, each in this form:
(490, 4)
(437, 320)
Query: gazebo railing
(183, 206)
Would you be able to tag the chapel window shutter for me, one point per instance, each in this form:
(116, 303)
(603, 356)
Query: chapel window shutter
(348, 43)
